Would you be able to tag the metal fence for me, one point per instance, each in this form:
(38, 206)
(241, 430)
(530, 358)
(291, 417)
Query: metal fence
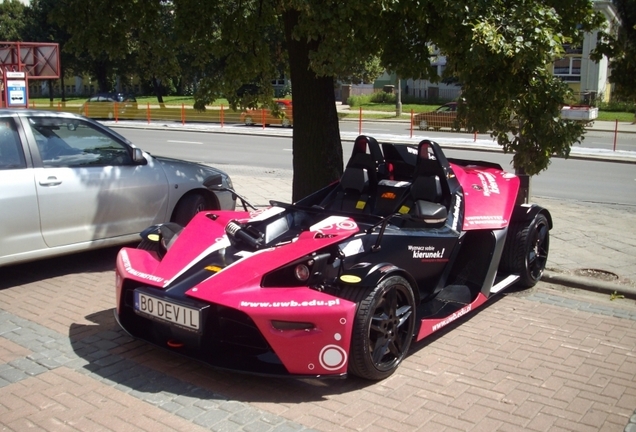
(614, 135)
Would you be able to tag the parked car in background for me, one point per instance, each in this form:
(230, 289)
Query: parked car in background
(443, 117)
(110, 106)
(68, 184)
(283, 116)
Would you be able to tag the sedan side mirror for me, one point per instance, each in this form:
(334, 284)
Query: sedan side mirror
(138, 157)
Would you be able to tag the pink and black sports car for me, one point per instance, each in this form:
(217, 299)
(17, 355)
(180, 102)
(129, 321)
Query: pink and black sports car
(342, 281)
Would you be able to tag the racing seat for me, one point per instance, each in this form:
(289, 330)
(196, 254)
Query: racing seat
(426, 184)
(359, 182)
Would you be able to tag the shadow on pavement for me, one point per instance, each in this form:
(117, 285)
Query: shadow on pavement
(84, 262)
(160, 376)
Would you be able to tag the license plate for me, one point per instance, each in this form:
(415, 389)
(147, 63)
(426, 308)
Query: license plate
(188, 318)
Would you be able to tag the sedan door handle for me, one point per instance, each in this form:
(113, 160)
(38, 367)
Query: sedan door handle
(50, 181)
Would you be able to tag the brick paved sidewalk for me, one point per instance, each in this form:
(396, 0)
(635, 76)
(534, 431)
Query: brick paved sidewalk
(544, 359)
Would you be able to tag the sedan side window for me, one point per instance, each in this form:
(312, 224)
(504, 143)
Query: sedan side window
(11, 153)
(73, 143)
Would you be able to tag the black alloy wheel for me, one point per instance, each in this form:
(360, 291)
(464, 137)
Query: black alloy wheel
(383, 329)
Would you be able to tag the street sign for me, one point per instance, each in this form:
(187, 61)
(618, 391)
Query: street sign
(16, 93)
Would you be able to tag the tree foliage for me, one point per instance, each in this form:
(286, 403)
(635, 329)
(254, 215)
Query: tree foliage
(502, 59)
(500, 50)
(11, 20)
(620, 47)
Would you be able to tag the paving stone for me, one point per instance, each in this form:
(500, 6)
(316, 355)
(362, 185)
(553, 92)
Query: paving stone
(189, 412)
(211, 418)
(13, 375)
(28, 366)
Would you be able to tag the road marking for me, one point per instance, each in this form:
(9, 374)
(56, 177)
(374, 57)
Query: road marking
(184, 142)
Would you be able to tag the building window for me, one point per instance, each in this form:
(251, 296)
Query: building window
(568, 68)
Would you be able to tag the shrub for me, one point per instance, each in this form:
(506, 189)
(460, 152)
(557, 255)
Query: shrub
(617, 106)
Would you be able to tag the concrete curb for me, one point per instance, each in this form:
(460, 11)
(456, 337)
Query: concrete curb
(589, 284)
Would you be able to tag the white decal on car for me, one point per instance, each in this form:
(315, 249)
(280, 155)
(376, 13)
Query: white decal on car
(427, 253)
(488, 183)
(456, 210)
(463, 311)
(130, 270)
(291, 303)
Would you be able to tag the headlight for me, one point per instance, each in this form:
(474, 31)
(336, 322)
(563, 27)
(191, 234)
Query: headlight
(301, 271)
(307, 271)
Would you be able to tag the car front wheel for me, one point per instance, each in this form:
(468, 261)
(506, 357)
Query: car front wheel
(188, 207)
(383, 328)
(248, 121)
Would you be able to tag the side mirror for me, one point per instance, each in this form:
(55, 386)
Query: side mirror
(138, 157)
(214, 182)
(430, 213)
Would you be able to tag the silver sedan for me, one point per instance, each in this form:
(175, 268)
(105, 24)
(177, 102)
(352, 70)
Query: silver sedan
(68, 184)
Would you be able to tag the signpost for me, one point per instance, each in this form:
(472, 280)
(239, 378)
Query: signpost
(16, 93)
(20, 61)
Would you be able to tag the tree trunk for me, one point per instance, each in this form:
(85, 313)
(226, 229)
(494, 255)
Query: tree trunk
(525, 187)
(316, 135)
(62, 84)
(102, 77)
(51, 91)
(157, 89)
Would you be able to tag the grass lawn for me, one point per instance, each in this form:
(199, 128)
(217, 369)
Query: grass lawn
(382, 109)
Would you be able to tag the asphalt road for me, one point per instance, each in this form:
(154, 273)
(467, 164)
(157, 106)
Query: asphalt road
(592, 138)
(580, 180)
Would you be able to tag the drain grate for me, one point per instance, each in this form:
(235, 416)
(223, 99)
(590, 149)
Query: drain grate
(597, 274)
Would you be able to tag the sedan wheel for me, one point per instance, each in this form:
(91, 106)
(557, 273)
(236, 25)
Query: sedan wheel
(383, 329)
(248, 121)
(286, 122)
(188, 207)
(423, 125)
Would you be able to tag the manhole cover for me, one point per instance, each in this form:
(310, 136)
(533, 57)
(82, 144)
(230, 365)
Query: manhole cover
(597, 274)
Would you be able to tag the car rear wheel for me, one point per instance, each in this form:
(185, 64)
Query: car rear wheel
(286, 123)
(526, 250)
(383, 328)
(189, 206)
(423, 125)
(248, 121)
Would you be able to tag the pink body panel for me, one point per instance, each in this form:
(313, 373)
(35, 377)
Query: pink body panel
(489, 195)
(430, 326)
(321, 350)
(202, 233)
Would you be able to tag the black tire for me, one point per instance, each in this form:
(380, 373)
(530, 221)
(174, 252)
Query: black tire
(189, 206)
(526, 250)
(383, 327)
